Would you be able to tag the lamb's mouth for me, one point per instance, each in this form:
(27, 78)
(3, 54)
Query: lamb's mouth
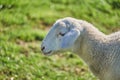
(48, 53)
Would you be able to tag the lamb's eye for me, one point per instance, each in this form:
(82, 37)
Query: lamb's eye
(62, 34)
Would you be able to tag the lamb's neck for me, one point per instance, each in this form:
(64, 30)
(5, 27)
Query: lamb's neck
(91, 45)
(93, 40)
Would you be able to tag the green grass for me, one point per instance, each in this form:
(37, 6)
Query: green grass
(24, 24)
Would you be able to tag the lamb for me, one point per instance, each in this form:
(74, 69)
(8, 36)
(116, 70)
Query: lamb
(99, 51)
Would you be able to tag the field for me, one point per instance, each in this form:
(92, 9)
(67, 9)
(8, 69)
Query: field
(24, 24)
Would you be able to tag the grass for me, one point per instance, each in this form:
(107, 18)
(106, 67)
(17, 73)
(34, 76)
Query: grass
(23, 25)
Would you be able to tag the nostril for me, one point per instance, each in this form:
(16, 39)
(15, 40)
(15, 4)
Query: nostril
(42, 48)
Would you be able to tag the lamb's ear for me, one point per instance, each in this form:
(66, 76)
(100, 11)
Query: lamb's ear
(69, 38)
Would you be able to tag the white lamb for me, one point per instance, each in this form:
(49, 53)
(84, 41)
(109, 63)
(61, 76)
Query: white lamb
(101, 52)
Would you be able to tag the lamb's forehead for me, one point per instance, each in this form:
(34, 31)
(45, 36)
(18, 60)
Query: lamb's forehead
(66, 23)
(67, 20)
(59, 24)
(63, 22)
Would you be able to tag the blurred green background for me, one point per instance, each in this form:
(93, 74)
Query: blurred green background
(24, 24)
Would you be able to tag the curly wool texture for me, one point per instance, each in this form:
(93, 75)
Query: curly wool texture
(101, 52)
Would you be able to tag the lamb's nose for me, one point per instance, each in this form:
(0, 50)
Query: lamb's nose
(42, 48)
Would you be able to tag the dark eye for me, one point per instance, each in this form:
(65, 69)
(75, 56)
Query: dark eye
(62, 34)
